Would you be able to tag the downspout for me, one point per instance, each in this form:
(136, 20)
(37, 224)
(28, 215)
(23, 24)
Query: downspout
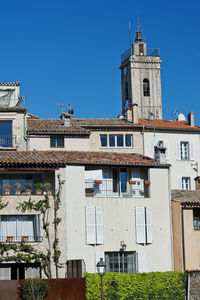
(143, 139)
(188, 286)
(170, 214)
(25, 137)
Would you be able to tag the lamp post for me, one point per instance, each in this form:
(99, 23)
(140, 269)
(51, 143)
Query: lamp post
(101, 268)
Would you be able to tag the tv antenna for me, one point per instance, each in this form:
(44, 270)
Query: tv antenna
(61, 105)
(70, 111)
(176, 113)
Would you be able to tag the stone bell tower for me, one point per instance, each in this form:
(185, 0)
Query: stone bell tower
(140, 79)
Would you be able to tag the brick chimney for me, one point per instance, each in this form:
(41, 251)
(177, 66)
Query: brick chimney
(191, 119)
(132, 113)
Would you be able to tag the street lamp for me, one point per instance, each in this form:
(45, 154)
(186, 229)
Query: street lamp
(101, 268)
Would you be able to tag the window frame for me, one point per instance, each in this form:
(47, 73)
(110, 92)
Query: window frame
(146, 87)
(186, 183)
(196, 219)
(55, 138)
(120, 258)
(184, 150)
(115, 138)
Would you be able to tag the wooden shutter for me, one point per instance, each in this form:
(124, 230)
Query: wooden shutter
(178, 154)
(98, 256)
(192, 183)
(90, 225)
(191, 150)
(149, 224)
(99, 226)
(140, 225)
(141, 261)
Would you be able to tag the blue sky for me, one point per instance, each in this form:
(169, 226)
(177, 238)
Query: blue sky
(69, 52)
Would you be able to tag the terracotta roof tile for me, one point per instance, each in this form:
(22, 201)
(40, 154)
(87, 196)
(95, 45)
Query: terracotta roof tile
(62, 158)
(37, 126)
(104, 122)
(186, 197)
(171, 124)
(17, 83)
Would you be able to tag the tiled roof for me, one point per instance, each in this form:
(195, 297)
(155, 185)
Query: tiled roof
(13, 159)
(186, 197)
(104, 122)
(171, 124)
(17, 83)
(36, 126)
(17, 108)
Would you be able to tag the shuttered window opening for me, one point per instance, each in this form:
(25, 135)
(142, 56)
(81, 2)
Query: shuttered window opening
(143, 220)
(184, 150)
(94, 225)
(121, 262)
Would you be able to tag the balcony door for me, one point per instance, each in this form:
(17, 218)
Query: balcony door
(120, 181)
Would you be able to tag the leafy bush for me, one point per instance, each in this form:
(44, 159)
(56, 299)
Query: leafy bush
(139, 286)
(33, 289)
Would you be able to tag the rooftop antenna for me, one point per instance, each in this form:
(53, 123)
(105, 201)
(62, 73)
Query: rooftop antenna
(176, 113)
(61, 105)
(70, 111)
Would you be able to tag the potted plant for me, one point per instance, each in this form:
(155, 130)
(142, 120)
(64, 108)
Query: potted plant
(28, 186)
(38, 188)
(6, 187)
(97, 181)
(48, 188)
(17, 188)
(132, 182)
(25, 238)
(9, 239)
(147, 182)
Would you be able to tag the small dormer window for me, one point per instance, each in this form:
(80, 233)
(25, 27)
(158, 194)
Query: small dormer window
(146, 87)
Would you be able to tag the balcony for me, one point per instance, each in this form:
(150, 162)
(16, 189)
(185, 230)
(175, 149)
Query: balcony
(117, 188)
(9, 141)
(150, 52)
(18, 239)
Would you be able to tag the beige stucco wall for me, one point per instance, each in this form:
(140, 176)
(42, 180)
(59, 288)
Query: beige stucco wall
(43, 143)
(95, 144)
(179, 168)
(191, 241)
(119, 221)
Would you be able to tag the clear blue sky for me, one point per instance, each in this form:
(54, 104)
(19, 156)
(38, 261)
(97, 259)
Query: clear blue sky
(69, 52)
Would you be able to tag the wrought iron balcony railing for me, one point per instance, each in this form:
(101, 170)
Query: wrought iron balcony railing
(10, 141)
(20, 238)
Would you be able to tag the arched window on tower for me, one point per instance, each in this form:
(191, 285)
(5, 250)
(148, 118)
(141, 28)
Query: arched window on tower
(126, 90)
(146, 87)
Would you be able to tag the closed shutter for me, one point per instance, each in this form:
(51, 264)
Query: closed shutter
(180, 183)
(31, 272)
(192, 183)
(140, 225)
(90, 225)
(5, 272)
(99, 225)
(154, 143)
(37, 227)
(98, 256)
(141, 261)
(149, 224)
(167, 149)
(178, 154)
(191, 150)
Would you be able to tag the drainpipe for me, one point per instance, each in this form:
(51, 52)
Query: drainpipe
(170, 214)
(143, 139)
(188, 286)
(25, 137)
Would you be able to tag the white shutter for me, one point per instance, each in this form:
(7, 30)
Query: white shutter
(149, 224)
(98, 256)
(99, 225)
(31, 272)
(180, 183)
(90, 225)
(167, 149)
(140, 225)
(192, 183)
(191, 150)
(178, 154)
(141, 261)
(154, 142)
(5, 273)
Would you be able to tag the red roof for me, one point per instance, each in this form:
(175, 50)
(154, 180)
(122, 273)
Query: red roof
(62, 158)
(173, 124)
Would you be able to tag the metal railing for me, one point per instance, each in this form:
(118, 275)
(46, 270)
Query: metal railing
(17, 239)
(150, 52)
(116, 188)
(10, 141)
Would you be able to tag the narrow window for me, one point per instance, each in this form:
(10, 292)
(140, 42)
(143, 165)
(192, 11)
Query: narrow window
(128, 140)
(196, 218)
(146, 87)
(120, 142)
(112, 140)
(186, 183)
(103, 139)
(184, 150)
(126, 90)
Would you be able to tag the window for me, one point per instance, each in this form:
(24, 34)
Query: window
(143, 219)
(196, 218)
(16, 228)
(184, 150)
(121, 262)
(126, 91)
(15, 271)
(146, 87)
(6, 134)
(94, 225)
(116, 140)
(57, 141)
(186, 183)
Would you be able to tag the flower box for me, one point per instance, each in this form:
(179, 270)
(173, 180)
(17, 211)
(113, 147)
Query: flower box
(97, 181)
(17, 192)
(9, 239)
(132, 182)
(49, 192)
(38, 192)
(147, 182)
(25, 238)
(6, 192)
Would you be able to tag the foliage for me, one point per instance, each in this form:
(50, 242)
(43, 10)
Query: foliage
(28, 185)
(33, 289)
(47, 186)
(38, 186)
(6, 186)
(17, 185)
(138, 286)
